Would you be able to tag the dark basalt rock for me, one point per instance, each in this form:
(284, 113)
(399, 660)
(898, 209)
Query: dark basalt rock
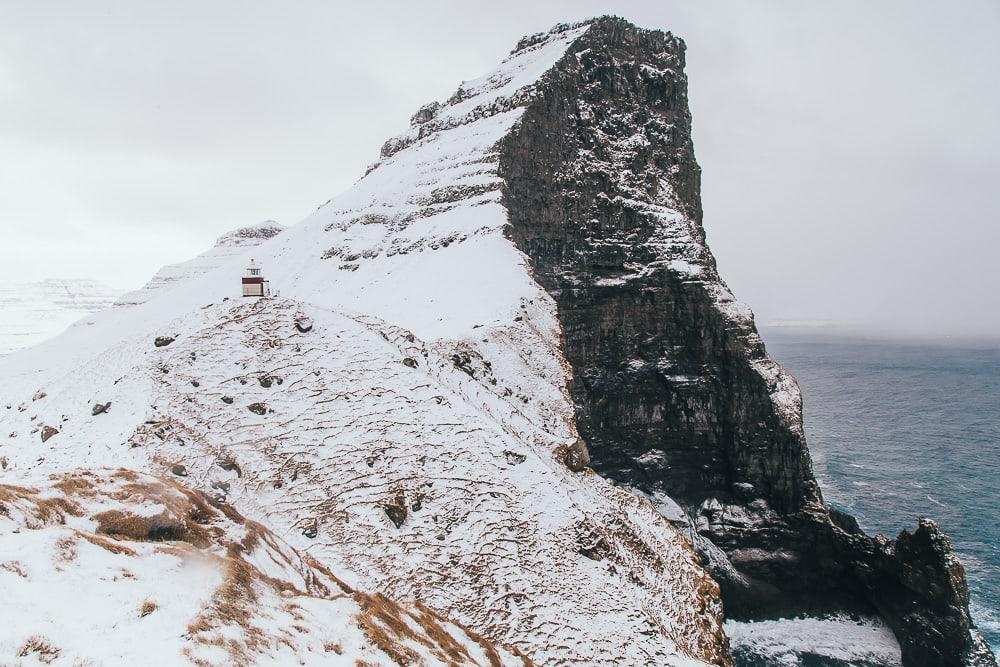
(396, 512)
(257, 408)
(163, 341)
(673, 388)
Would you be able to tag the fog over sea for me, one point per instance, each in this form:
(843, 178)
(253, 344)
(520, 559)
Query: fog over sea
(900, 429)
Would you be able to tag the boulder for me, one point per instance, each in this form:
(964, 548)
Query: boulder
(163, 341)
(48, 432)
(100, 408)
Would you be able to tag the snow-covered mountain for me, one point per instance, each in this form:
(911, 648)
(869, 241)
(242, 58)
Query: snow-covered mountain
(400, 414)
(519, 283)
(233, 244)
(33, 312)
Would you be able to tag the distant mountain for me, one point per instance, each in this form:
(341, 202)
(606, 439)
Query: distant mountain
(226, 247)
(33, 312)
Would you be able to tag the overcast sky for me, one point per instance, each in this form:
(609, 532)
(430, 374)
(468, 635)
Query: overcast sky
(851, 150)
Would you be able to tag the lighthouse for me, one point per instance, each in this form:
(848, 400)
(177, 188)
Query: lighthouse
(254, 283)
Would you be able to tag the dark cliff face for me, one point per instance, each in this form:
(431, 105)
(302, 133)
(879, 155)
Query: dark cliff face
(674, 391)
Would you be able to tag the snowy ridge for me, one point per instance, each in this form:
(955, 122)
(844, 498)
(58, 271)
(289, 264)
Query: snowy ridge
(400, 413)
(33, 312)
(141, 556)
(232, 244)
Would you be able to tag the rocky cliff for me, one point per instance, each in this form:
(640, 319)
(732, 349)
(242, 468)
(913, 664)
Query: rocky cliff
(400, 412)
(674, 392)
(523, 275)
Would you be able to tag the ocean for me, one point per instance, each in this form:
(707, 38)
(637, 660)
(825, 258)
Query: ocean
(899, 430)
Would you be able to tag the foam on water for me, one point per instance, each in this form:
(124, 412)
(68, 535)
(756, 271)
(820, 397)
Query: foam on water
(900, 430)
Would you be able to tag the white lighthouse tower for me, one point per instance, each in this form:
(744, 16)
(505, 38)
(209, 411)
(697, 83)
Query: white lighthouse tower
(254, 283)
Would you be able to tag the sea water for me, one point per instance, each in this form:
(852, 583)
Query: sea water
(903, 429)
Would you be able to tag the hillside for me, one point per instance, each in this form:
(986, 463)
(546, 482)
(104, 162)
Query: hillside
(504, 379)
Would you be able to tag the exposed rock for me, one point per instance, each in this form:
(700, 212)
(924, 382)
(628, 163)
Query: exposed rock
(229, 465)
(163, 341)
(228, 400)
(48, 432)
(179, 469)
(100, 408)
(39, 395)
(410, 362)
(303, 324)
(575, 456)
(257, 408)
(265, 381)
(673, 389)
(513, 458)
(396, 511)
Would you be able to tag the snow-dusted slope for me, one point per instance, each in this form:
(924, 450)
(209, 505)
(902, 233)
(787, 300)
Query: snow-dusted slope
(233, 244)
(94, 560)
(401, 412)
(33, 312)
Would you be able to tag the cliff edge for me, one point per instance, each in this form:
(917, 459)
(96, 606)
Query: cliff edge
(673, 389)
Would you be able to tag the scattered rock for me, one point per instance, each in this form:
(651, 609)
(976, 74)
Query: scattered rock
(100, 408)
(513, 458)
(163, 341)
(303, 324)
(195, 383)
(265, 381)
(48, 432)
(179, 470)
(410, 362)
(257, 408)
(228, 400)
(311, 530)
(575, 457)
(396, 511)
(230, 465)
(39, 395)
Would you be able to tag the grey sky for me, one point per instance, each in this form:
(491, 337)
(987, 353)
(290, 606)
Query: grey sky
(851, 150)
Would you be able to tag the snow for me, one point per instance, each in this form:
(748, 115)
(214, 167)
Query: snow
(84, 597)
(790, 641)
(33, 312)
(227, 246)
(432, 379)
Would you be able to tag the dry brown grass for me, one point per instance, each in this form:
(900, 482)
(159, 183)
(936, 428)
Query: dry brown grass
(39, 510)
(41, 646)
(14, 566)
(126, 525)
(107, 544)
(65, 549)
(147, 608)
(76, 484)
(386, 624)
